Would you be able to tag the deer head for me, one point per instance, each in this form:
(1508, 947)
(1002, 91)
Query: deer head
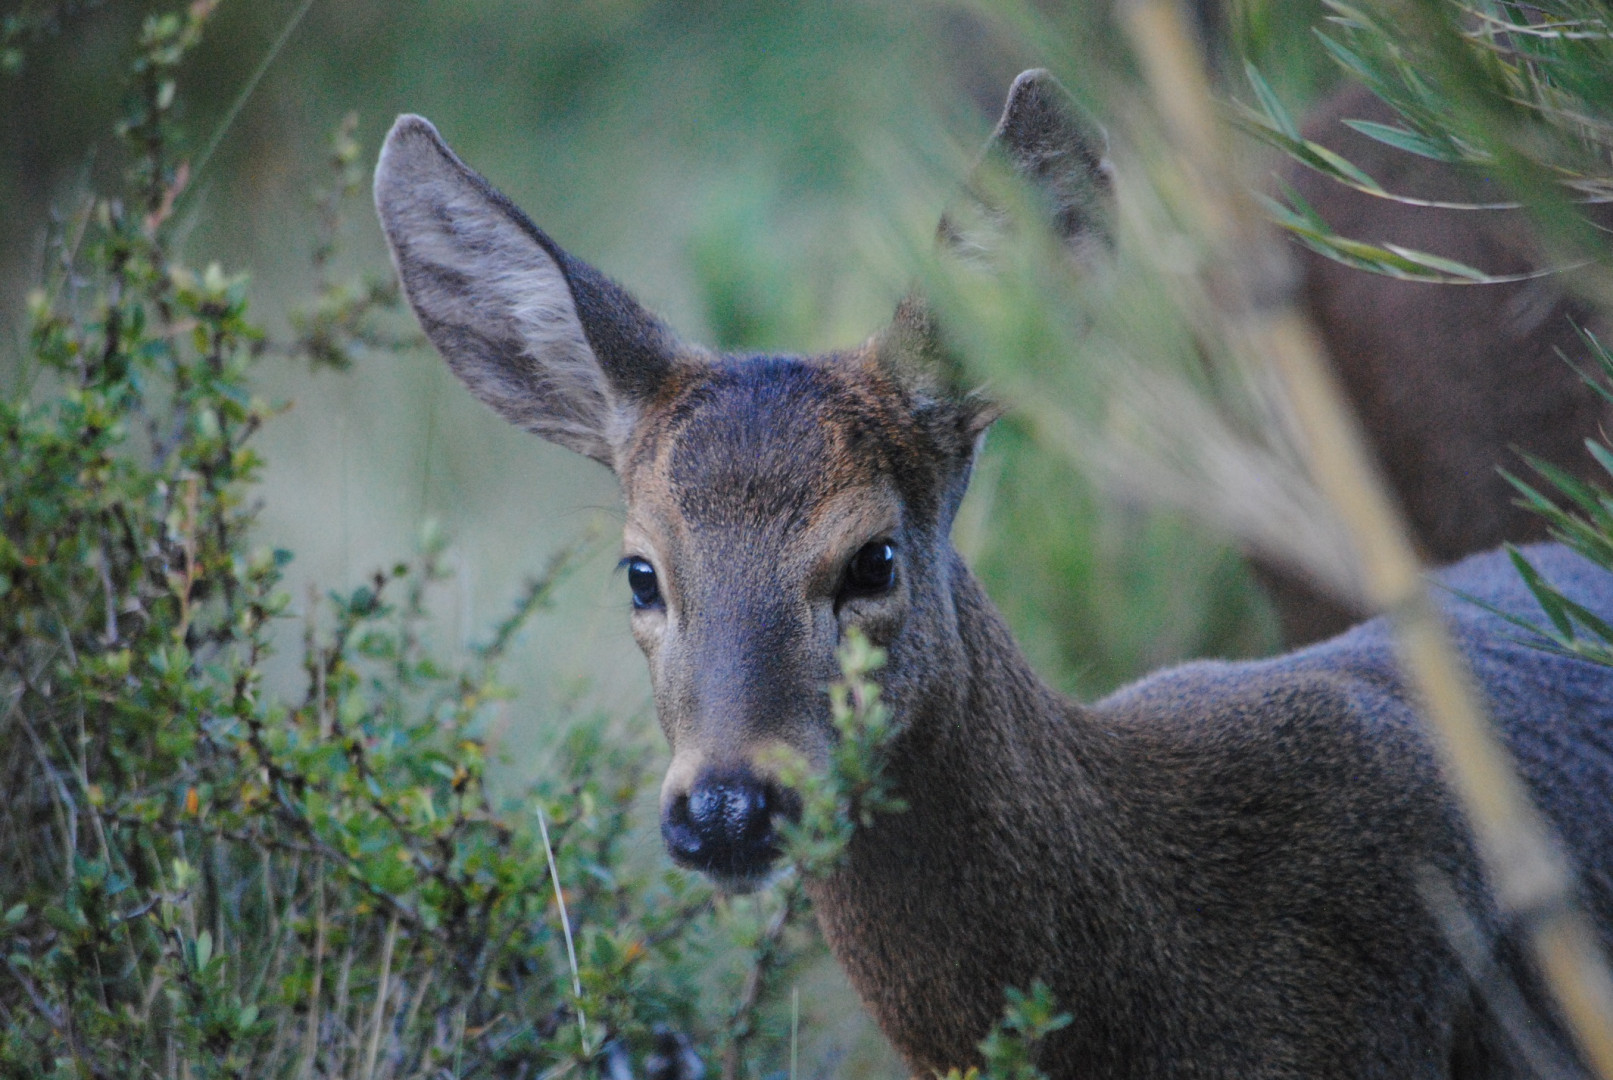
(773, 502)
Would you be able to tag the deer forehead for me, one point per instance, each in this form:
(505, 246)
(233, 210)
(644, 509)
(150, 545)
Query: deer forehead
(773, 447)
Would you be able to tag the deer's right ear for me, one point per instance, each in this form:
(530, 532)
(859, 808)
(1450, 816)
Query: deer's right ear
(546, 340)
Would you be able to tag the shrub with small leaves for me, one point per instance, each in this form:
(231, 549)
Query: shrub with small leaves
(1009, 1051)
(207, 874)
(853, 790)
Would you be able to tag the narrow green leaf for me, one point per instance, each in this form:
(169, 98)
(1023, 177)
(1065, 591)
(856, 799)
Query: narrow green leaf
(1549, 599)
(1269, 101)
(1347, 13)
(1439, 262)
(1603, 355)
(1280, 214)
(1588, 619)
(1603, 456)
(1300, 205)
(203, 950)
(1339, 166)
(1307, 153)
(1348, 60)
(1404, 139)
(1532, 498)
(1577, 491)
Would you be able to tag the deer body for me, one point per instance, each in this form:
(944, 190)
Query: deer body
(1215, 869)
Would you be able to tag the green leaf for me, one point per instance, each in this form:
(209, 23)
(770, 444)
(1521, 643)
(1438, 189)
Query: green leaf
(1603, 456)
(1438, 262)
(202, 950)
(1269, 101)
(1549, 599)
(1402, 139)
(1349, 60)
(1599, 351)
(1581, 493)
(1313, 155)
(1587, 618)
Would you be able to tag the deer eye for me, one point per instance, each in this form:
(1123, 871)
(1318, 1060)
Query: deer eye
(641, 579)
(871, 571)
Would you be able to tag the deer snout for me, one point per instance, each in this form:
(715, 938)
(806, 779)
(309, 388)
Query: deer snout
(725, 825)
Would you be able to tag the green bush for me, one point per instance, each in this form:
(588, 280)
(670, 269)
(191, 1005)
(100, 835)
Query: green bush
(212, 871)
(206, 874)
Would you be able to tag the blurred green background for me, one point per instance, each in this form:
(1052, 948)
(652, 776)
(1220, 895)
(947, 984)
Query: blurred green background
(755, 172)
(752, 171)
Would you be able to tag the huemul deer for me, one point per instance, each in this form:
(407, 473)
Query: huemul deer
(1214, 869)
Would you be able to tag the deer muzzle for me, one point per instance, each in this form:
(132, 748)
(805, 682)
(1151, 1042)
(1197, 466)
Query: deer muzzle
(726, 825)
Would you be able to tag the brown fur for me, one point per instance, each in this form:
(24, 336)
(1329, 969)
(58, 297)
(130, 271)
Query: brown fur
(1215, 869)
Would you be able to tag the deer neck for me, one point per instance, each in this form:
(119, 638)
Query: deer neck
(992, 877)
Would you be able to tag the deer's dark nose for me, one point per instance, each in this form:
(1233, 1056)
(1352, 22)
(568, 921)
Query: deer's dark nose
(724, 825)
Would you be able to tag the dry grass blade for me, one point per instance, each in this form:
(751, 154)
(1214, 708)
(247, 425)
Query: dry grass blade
(378, 1017)
(249, 87)
(565, 927)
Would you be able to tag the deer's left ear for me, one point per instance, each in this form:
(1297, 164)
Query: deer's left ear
(1051, 143)
(911, 350)
(1046, 140)
(547, 341)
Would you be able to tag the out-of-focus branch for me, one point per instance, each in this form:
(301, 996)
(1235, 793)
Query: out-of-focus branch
(1255, 286)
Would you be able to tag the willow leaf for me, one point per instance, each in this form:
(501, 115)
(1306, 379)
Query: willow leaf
(1402, 139)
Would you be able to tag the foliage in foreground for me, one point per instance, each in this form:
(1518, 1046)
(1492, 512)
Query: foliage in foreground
(1580, 517)
(203, 874)
(1518, 93)
(1521, 95)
